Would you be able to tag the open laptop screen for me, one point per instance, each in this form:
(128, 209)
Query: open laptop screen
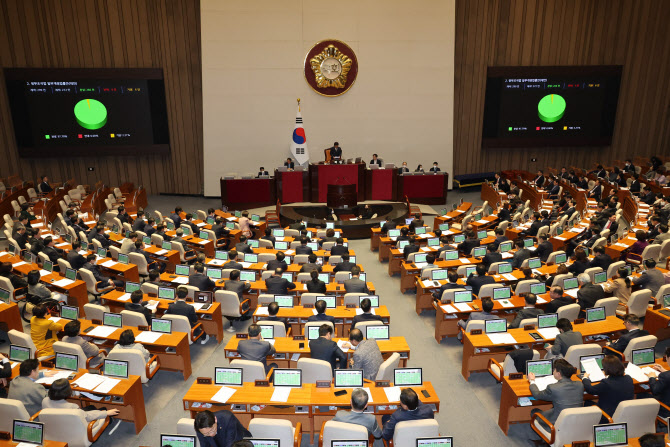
(608, 435)
(348, 378)
(228, 376)
(540, 368)
(26, 431)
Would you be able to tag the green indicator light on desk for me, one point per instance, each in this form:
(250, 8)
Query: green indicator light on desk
(91, 114)
(551, 108)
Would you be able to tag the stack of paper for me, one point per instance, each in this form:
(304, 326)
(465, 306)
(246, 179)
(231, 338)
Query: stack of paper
(340, 343)
(506, 303)
(223, 394)
(18, 264)
(420, 265)
(44, 273)
(507, 255)
(428, 283)
(147, 337)
(448, 308)
(124, 297)
(541, 300)
(197, 306)
(62, 282)
(280, 394)
(109, 264)
(503, 338)
(509, 276)
(54, 319)
(548, 332)
(466, 261)
(63, 244)
(89, 381)
(543, 382)
(101, 331)
(392, 393)
(216, 262)
(637, 373)
(463, 307)
(593, 370)
(181, 280)
(49, 380)
(161, 252)
(426, 249)
(246, 265)
(572, 292)
(262, 311)
(107, 385)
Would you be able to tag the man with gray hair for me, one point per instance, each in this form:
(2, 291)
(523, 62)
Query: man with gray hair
(588, 292)
(359, 402)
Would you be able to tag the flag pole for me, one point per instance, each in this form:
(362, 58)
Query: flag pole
(298, 104)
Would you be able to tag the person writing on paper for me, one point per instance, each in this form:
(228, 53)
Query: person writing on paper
(40, 327)
(72, 335)
(25, 389)
(357, 415)
(564, 340)
(220, 429)
(613, 389)
(57, 397)
(127, 341)
(564, 394)
(367, 355)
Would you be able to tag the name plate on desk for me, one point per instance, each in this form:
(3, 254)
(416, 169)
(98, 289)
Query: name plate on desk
(5, 436)
(298, 337)
(578, 321)
(204, 380)
(242, 335)
(351, 306)
(323, 383)
(382, 383)
(238, 407)
(657, 306)
(528, 327)
(515, 376)
(262, 383)
(580, 444)
(143, 328)
(308, 306)
(98, 322)
(47, 364)
(476, 332)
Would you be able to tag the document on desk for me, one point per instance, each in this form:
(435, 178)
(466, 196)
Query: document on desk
(246, 265)
(89, 381)
(161, 252)
(102, 331)
(548, 332)
(201, 224)
(572, 292)
(289, 252)
(429, 283)
(448, 308)
(44, 273)
(541, 300)
(420, 265)
(262, 311)
(107, 385)
(482, 221)
(124, 297)
(506, 303)
(340, 343)
(426, 249)
(147, 337)
(18, 264)
(231, 219)
(507, 255)
(49, 380)
(197, 306)
(223, 394)
(509, 276)
(280, 394)
(392, 393)
(63, 244)
(62, 282)
(270, 340)
(504, 338)
(359, 311)
(466, 261)
(463, 307)
(543, 382)
(367, 390)
(593, 370)
(181, 280)
(216, 262)
(109, 264)
(637, 373)
(94, 397)
(54, 319)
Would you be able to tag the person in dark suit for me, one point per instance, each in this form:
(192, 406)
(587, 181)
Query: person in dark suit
(599, 172)
(469, 243)
(485, 314)
(544, 247)
(199, 279)
(149, 226)
(103, 281)
(632, 324)
(529, 311)
(137, 305)
(367, 315)
(310, 265)
(500, 237)
(232, 261)
(412, 247)
(52, 252)
(600, 259)
(267, 236)
(274, 264)
(45, 187)
(320, 306)
(388, 225)
(539, 180)
(187, 220)
(355, 284)
(588, 292)
(175, 216)
(345, 265)
(375, 160)
(20, 235)
(242, 246)
(611, 224)
(235, 285)
(278, 285)
(564, 340)
(123, 215)
(635, 185)
(596, 191)
(504, 213)
(480, 279)
(520, 255)
(572, 207)
(303, 249)
(219, 228)
(404, 235)
(139, 222)
(220, 429)
(403, 169)
(98, 233)
(416, 222)
(262, 172)
(651, 278)
(535, 225)
(273, 310)
(315, 285)
(324, 348)
(289, 164)
(335, 152)
(339, 249)
(614, 389)
(492, 256)
(580, 264)
(255, 348)
(564, 394)
(411, 409)
(659, 384)
(435, 168)
(558, 300)
(648, 196)
(451, 284)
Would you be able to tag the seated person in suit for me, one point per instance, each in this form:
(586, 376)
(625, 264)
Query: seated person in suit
(315, 285)
(539, 180)
(388, 225)
(139, 222)
(20, 236)
(233, 264)
(435, 168)
(596, 191)
(221, 232)
(403, 169)
(375, 160)
(181, 307)
(274, 264)
(430, 263)
(451, 284)
(25, 389)
(355, 284)
(419, 168)
(220, 429)
(485, 314)
(659, 384)
(137, 305)
(416, 222)
(480, 279)
(557, 300)
(357, 415)
(278, 285)
(320, 306)
(324, 348)
(72, 335)
(535, 225)
(412, 247)
(614, 389)
(366, 212)
(149, 226)
(520, 255)
(127, 341)
(35, 287)
(581, 262)
(273, 310)
(16, 280)
(52, 252)
(154, 277)
(128, 243)
(58, 394)
(330, 237)
(404, 234)
(544, 247)
(565, 393)
(528, 311)
(500, 237)
(255, 348)
(310, 265)
(235, 285)
(651, 278)
(492, 256)
(469, 243)
(335, 152)
(46, 188)
(345, 265)
(199, 279)
(262, 172)
(339, 249)
(411, 409)
(289, 164)
(632, 324)
(601, 259)
(303, 249)
(588, 292)
(564, 340)
(367, 355)
(367, 315)
(76, 260)
(242, 246)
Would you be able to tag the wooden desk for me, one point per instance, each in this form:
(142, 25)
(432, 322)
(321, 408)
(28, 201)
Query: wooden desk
(251, 401)
(410, 273)
(128, 272)
(286, 347)
(171, 258)
(452, 216)
(656, 323)
(375, 233)
(297, 317)
(180, 360)
(10, 318)
(239, 194)
(211, 319)
(429, 188)
(332, 288)
(476, 361)
(47, 443)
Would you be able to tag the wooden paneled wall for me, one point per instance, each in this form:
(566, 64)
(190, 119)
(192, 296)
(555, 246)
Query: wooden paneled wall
(113, 34)
(632, 33)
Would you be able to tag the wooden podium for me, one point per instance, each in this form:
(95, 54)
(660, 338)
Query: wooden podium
(341, 196)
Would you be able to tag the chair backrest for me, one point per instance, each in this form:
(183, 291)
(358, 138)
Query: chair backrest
(508, 363)
(140, 261)
(264, 299)
(592, 272)
(340, 277)
(425, 273)
(648, 341)
(114, 251)
(65, 426)
(301, 259)
(11, 409)
(131, 318)
(318, 324)
(570, 311)
(386, 369)
(610, 305)
(180, 323)
(280, 329)
(94, 311)
(266, 257)
(475, 324)
(332, 430)
(639, 414)
(73, 349)
(612, 269)
(63, 264)
(524, 286)
(665, 250)
(575, 351)
(263, 243)
(156, 239)
(22, 339)
(576, 424)
(558, 279)
(335, 259)
(230, 303)
(135, 359)
(313, 370)
(406, 432)
(303, 277)
(487, 290)
(352, 298)
(662, 291)
(449, 294)
(528, 322)
(362, 325)
(265, 428)
(91, 284)
(651, 251)
(149, 288)
(251, 370)
(493, 267)
(192, 290)
(638, 302)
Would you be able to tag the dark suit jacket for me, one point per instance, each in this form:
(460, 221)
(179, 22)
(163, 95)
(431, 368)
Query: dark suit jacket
(520, 256)
(321, 317)
(229, 430)
(448, 286)
(278, 285)
(262, 173)
(543, 251)
(467, 245)
(76, 260)
(523, 314)
(603, 261)
(324, 349)
(275, 264)
(596, 192)
(289, 165)
(237, 286)
(364, 317)
(140, 309)
(232, 265)
(578, 267)
(660, 388)
(339, 250)
(52, 253)
(611, 391)
(553, 305)
(503, 215)
(539, 180)
(270, 238)
(139, 224)
(588, 294)
(186, 310)
(96, 272)
(308, 267)
(355, 285)
(534, 227)
(411, 248)
(255, 350)
(176, 219)
(434, 169)
(344, 266)
(335, 152)
(622, 343)
(45, 187)
(564, 394)
(303, 250)
(317, 286)
(491, 258)
(243, 248)
(400, 415)
(201, 281)
(476, 282)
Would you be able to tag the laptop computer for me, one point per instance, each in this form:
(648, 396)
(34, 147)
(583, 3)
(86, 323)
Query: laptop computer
(248, 275)
(595, 314)
(213, 273)
(161, 325)
(228, 376)
(610, 435)
(561, 258)
(496, 326)
(123, 259)
(479, 252)
(534, 263)
(27, 431)
(257, 442)
(281, 245)
(284, 300)
(112, 319)
(377, 332)
(505, 268)
(69, 362)
(407, 377)
(132, 286)
(505, 246)
(182, 270)
(450, 255)
(645, 356)
(115, 368)
(600, 277)
(287, 377)
(69, 312)
(547, 320)
(178, 440)
(441, 441)
(463, 296)
(502, 293)
(337, 443)
(374, 300)
(570, 283)
(438, 274)
(18, 353)
(540, 368)
(598, 357)
(538, 288)
(267, 331)
(312, 332)
(348, 378)
(166, 293)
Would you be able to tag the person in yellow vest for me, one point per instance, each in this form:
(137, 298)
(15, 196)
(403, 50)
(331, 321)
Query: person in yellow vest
(40, 325)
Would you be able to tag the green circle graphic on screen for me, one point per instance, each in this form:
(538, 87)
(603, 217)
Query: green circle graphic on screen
(91, 114)
(551, 108)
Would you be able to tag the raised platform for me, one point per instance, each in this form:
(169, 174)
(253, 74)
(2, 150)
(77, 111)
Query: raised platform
(317, 215)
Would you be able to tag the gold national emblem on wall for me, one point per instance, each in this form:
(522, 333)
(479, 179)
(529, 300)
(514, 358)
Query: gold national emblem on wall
(331, 68)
